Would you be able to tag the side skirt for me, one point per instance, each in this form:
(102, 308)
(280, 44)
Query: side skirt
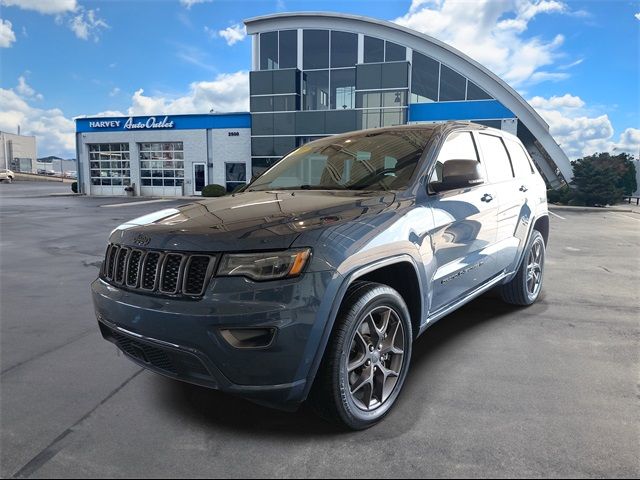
(444, 311)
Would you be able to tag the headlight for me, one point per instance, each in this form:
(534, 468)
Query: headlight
(265, 265)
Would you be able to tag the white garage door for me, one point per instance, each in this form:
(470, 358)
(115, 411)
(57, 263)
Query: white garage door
(109, 168)
(161, 169)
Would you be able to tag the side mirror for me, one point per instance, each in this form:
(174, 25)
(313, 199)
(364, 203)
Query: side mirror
(458, 174)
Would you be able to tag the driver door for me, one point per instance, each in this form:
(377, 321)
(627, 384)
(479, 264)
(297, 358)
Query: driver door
(465, 228)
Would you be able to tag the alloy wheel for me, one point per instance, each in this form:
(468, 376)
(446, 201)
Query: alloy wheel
(376, 357)
(534, 268)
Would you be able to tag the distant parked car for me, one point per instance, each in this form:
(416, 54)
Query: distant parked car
(41, 171)
(71, 174)
(6, 176)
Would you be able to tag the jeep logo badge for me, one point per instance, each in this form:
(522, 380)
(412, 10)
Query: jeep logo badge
(141, 240)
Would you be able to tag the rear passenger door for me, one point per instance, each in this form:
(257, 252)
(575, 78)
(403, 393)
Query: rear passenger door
(510, 200)
(528, 185)
(465, 228)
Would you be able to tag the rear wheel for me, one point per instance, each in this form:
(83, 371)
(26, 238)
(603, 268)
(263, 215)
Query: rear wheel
(525, 287)
(367, 359)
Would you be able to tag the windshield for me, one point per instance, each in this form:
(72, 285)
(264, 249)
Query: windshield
(365, 161)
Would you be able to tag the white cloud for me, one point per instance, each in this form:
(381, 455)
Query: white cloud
(54, 132)
(43, 6)
(114, 91)
(492, 33)
(233, 34)
(637, 15)
(86, 24)
(579, 131)
(191, 3)
(25, 90)
(629, 142)
(555, 102)
(7, 36)
(228, 92)
(211, 33)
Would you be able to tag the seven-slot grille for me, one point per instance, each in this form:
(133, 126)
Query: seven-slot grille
(160, 272)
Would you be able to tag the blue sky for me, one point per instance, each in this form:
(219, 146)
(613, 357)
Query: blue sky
(577, 62)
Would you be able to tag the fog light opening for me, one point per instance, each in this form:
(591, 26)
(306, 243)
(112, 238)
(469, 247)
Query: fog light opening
(249, 337)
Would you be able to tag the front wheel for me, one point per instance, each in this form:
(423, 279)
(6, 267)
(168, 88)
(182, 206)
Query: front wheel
(367, 359)
(525, 287)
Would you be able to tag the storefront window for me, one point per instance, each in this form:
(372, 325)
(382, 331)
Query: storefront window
(474, 92)
(236, 175)
(452, 85)
(288, 46)
(162, 164)
(424, 79)
(315, 88)
(394, 52)
(373, 50)
(109, 164)
(269, 51)
(315, 46)
(344, 49)
(343, 88)
(384, 98)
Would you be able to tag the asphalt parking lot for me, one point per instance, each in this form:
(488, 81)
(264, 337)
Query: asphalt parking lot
(494, 391)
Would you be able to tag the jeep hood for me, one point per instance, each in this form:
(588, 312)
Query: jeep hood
(249, 220)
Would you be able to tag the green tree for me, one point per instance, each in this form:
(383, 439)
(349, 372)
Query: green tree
(603, 179)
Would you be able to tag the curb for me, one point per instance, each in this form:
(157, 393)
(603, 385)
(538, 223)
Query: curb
(567, 208)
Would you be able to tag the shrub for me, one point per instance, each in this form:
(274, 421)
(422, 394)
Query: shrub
(562, 195)
(74, 187)
(214, 190)
(603, 179)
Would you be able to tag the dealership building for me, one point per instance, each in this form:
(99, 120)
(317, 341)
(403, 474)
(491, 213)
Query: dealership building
(312, 75)
(163, 155)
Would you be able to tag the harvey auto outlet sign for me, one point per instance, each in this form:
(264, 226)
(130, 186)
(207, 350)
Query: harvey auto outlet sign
(130, 124)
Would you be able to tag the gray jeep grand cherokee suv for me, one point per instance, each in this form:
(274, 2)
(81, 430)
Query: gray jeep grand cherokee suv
(315, 280)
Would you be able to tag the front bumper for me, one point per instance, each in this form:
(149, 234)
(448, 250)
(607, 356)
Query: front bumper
(180, 338)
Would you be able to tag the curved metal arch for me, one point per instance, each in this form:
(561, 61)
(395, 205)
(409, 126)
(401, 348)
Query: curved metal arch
(440, 51)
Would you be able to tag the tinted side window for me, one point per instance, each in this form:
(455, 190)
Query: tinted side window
(458, 146)
(519, 159)
(496, 158)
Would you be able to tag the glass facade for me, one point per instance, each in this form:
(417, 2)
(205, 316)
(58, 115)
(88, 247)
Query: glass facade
(315, 82)
(109, 164)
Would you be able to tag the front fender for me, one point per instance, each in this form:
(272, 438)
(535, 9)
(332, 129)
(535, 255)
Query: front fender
(345, 277)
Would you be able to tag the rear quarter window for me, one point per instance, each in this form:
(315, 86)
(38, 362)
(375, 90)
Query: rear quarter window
(496, 158)
(519, 159)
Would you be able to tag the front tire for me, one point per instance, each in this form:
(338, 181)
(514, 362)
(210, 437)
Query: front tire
(524, 289)
(367, 358)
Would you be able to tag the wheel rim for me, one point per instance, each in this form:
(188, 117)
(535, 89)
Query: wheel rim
(534, 268)
(376, 358)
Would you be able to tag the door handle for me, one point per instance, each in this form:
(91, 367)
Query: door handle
(523, 188)
(486, 198)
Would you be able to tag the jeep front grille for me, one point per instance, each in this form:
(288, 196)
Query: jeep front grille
(152, 271)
